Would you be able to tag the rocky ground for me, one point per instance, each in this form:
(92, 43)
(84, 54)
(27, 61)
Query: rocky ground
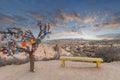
(51, 70)
(80, 47)
(109, 50)
(54, 49)
(44, 52)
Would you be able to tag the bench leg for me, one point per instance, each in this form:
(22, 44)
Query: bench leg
(98, 64)
(63, 63)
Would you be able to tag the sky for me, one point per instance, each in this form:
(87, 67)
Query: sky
(84, 19)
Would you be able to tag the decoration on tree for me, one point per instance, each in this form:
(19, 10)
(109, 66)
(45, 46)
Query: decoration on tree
(12, 34)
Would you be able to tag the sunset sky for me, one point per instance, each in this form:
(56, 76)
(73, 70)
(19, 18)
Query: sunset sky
(87, 19)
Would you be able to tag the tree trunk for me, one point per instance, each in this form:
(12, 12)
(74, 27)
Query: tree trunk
(31, 56)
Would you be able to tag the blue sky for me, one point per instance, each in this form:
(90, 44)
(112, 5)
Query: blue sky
(88, 19)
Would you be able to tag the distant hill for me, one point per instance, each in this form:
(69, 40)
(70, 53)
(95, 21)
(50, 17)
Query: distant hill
(77, 41)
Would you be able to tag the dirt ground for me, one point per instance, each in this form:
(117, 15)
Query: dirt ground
(51, 70)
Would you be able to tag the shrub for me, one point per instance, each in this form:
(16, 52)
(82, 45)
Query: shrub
(108, 54)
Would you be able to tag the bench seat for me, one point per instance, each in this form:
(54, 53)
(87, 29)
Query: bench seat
(85, 59)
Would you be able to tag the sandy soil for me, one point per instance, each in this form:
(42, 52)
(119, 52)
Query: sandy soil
(51, 70)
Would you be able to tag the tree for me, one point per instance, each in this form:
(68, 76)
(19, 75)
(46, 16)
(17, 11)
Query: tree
(28, 35)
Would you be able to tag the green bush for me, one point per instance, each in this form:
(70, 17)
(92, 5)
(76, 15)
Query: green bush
(108, 54)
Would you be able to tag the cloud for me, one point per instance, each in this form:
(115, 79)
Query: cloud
(96, 30)
(61, 18)
(19, 18)
(6, 19)
(87, 19)
(107, 26)
(11, 19)
(79, 25)
(71, 32)
(109, 36)
(112, 24)
(65, 34)
(96, 25)
(37, 16)
(115, 21)
(64, 18)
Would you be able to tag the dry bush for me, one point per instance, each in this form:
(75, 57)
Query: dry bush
(108, 54)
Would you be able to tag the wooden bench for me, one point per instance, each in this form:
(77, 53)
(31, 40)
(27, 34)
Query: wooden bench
(85, 59)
